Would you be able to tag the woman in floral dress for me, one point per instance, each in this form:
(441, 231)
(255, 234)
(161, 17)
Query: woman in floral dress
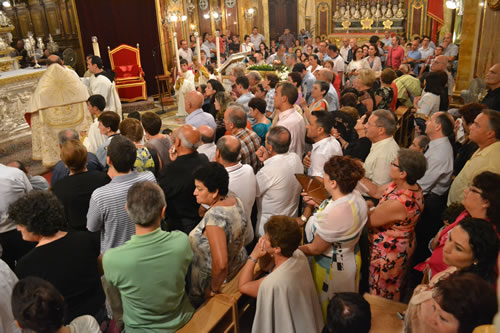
(392, 224)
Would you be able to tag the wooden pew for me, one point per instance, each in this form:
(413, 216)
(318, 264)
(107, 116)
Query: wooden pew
(384, 314)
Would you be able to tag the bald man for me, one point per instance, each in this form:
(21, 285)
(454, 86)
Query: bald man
(196, 116)
(441, 64)
(450, 49)
(176, 180)
(242, 181)
(207, 146)
(331, 96)
(492, 99)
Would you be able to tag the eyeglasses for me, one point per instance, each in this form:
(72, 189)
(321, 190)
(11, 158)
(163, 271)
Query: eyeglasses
(397, 166)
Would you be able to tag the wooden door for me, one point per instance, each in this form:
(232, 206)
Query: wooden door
(282, 14)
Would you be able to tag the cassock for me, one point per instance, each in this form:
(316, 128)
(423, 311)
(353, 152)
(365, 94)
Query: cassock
(183, 85)
(59, 102)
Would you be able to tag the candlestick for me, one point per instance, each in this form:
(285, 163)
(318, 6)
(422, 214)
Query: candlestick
(217, 46)
(198, 54)
(177, 53)
(95, 46)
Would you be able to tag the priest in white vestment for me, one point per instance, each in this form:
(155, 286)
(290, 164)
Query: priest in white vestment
(102, 83)
(59, 102)
(287, 300)
(183, 85)
(94, 138)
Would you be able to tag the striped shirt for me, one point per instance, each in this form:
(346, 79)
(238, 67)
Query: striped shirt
(270, 102)
(107, 212)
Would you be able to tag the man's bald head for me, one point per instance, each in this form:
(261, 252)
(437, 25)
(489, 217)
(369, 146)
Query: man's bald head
(207, 134)
(54, 59)
(493, 77)
(188, 137)
(440, 63)
(229, 148)
(193, 101)
(325, 75)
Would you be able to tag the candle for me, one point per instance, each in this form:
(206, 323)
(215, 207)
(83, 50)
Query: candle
(177, 53)
(217, 42)
(95, 46)
(198, 54)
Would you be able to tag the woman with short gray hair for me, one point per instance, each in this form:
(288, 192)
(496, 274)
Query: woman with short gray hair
(392, 223)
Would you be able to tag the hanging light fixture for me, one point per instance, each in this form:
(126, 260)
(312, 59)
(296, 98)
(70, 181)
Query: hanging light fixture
(451, 4)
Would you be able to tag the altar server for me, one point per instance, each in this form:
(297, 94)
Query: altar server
(183, 85)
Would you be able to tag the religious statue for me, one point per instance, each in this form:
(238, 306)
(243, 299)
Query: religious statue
(357, 14)
(3, 45)
(4, 20)
(373, 8)
(389, 13)
(378, 13)
(51, 45)
(347, 12)
(363, 11)
(400, 12)
(338, 14)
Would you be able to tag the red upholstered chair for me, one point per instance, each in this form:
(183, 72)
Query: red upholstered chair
(126, 63)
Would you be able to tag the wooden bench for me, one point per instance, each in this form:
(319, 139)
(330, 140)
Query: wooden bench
(384, 314)
(222, 312)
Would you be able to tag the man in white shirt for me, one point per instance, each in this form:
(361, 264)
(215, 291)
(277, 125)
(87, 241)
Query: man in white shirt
(338, 61)
(387, 40)
(96, 105)
(256, 38)
(7, 282)
(284, 99)
(379, 129)
(13, 184)
(324, 146)
(207, 146)
(426, 50)
(450, 49)
(436, 180)
(242, 181)
(278, 190)
(185, 52)
(344, 50)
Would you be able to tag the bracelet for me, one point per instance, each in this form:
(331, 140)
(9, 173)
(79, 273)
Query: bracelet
(303, 218)
(250, 257)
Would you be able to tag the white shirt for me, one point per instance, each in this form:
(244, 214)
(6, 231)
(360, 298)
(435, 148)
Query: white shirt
(94, 137)
(278, 190)
(426, 53)
(378, 161)
(428, 104)
(321, 152)
(243, 184)
(437, 177)
(257, 39)
(13, 184)
(186, 54)
(338, 64)
(208, 149)
(7, 281)
(344, 52)
(293, 121)
(84, 324)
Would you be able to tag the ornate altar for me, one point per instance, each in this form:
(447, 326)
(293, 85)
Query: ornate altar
(16, 89)
(7, 62)
(367, 17)
(126, 63)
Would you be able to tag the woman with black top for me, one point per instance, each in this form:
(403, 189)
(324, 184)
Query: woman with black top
(68, 260)
(364, 83)
(213, 87)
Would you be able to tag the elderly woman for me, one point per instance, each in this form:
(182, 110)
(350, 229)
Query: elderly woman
(147, 158)
(335, 228)
(385, 94)
(75, 190)
(392, 223)
(457, 304)
(66, 259)
(218, 240)
(286, 297)
(38, 306)
(482, 201)
(472, 246)
(364, 83)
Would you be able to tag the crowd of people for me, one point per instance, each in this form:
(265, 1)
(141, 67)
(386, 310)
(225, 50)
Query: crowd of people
(142, 226)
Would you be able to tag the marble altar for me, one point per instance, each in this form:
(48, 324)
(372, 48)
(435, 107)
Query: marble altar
(16, 88)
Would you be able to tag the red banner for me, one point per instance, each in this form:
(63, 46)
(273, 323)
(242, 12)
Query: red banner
(435, 10)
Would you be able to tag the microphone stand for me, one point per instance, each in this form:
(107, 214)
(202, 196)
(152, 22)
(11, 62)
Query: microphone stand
(162, 111)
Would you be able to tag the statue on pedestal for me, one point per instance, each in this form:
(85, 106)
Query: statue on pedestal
(389, 13)
(400, 12)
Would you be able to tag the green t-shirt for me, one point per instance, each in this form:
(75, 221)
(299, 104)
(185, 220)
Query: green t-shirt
(150, 270)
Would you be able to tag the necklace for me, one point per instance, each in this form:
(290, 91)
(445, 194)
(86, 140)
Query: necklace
(222, 198)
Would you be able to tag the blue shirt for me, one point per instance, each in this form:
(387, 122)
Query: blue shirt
(243, 100)
(199, 117)
(332, 98)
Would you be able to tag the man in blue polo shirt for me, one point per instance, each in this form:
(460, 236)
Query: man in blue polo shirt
(196, 116)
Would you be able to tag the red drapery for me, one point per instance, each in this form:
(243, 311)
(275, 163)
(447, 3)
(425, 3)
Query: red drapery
(116, 22)
(435, 11)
